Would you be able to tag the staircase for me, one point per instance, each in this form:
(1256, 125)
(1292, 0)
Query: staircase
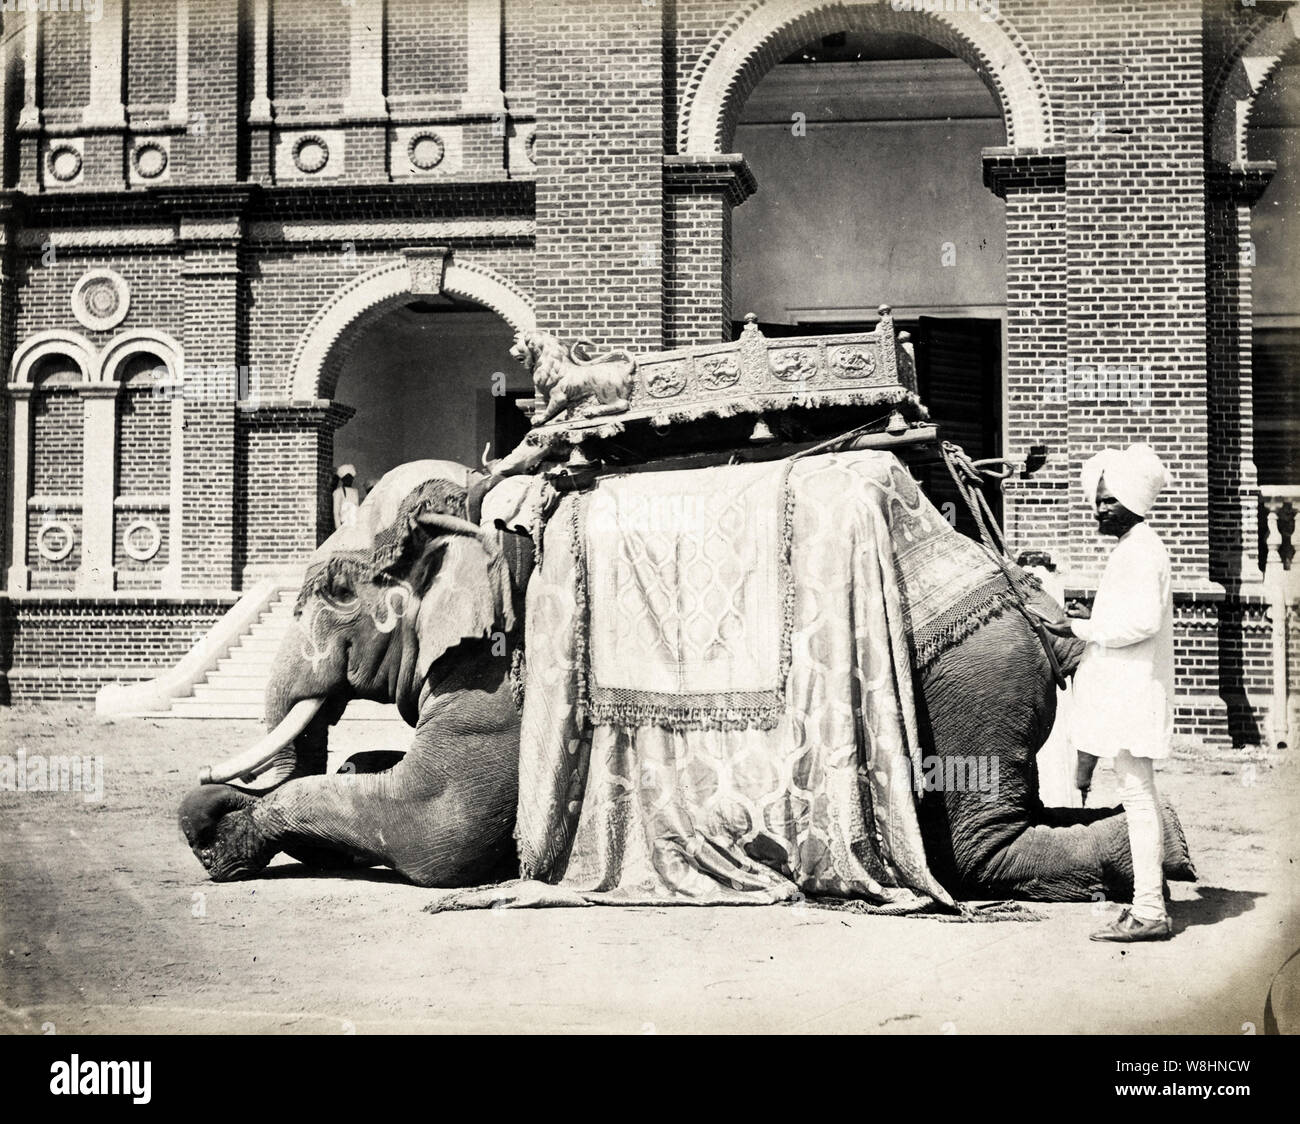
(236, 686)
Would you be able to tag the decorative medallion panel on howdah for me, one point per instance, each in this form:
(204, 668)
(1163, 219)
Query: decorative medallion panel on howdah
(752, 375)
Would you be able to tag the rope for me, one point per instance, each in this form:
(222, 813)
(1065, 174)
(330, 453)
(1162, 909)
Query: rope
(967, 476)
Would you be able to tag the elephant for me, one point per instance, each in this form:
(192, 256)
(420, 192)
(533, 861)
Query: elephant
(416, 606)
(429, 614)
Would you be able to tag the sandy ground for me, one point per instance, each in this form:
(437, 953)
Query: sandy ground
(107, 923)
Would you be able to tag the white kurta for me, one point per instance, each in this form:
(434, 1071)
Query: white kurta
(1124, 687)
(1057, 761)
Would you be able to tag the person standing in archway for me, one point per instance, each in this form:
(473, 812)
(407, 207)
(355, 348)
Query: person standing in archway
(346, 498)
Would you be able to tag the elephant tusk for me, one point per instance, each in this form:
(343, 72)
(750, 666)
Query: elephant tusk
(258, 758)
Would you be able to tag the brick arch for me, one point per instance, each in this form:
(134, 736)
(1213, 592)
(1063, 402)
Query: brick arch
(122, 347)
(383, 286)
(1236, 89)
(763, 32)
(42, 344)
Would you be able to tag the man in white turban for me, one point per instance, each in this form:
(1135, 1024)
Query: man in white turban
(1124, 686)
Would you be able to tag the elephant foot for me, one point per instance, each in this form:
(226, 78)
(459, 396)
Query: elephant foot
(1178, 859)
(218, 824)
(1117, 857)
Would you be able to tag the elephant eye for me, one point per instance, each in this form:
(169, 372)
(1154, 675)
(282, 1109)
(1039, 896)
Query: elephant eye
(338, 588)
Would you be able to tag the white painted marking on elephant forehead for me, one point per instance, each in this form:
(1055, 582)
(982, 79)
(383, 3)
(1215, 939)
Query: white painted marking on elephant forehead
(317, 619)
(396, 602)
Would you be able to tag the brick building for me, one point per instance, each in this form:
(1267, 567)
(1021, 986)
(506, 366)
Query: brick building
(246, 239)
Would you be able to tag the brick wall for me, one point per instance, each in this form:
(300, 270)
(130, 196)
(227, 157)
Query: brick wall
(600, 180)
(57, 442)
(427, 54)
(68, 647)
(309, 50)
(144, 422)
(66, 70)
(151, 52)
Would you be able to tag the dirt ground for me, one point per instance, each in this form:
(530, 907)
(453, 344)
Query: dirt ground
(107, 923)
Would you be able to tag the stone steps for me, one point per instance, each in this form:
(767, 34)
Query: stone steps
(237, 686)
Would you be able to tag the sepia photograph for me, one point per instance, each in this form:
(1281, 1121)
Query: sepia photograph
(650, 517)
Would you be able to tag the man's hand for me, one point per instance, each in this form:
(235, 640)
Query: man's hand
(1061, 627)
(1078, 609)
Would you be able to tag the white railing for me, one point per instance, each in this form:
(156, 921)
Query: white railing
(1281, 580)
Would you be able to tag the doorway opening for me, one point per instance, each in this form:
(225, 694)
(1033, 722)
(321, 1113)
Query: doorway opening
(429, 378)
(867, 148)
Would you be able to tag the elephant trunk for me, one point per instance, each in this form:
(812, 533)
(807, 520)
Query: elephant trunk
(275, 752)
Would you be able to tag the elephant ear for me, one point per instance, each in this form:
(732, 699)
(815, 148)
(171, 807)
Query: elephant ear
(466, 592)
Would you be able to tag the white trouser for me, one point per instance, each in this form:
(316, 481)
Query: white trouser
(1137, 792)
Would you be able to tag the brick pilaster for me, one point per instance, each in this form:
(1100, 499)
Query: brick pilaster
(600, 176)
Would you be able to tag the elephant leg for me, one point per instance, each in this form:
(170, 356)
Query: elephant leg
(993, 696)
(329, 858)
(442, 816)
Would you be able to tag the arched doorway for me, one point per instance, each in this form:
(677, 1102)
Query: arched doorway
(429, 378)
(867, 145)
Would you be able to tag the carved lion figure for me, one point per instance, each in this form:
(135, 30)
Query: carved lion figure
(595, 384)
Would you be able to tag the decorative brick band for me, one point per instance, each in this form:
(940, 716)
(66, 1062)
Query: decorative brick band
(1023, 169)
(1242, 183)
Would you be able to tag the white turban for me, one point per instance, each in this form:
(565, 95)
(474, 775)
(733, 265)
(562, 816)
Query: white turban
(1135, 476)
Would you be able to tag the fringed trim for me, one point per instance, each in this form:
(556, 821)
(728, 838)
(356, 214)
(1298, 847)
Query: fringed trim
(352, 567)
(581, 617)
(963, 913)
(577, 430)
(987, 601)
(785, 581)
(629, 715)
(518, 673)
(438, 496)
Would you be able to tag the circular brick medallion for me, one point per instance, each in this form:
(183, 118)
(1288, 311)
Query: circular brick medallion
(100, 300)
(530, 147)
(310, 154)
(150, 160)
(426, 151)
(55, 540)
(142, 539)
(63, 162)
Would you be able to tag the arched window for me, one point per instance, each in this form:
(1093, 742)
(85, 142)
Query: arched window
(54, 522)
(142, 498)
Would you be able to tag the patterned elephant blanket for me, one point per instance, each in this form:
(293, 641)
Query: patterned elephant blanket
(719, 704)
